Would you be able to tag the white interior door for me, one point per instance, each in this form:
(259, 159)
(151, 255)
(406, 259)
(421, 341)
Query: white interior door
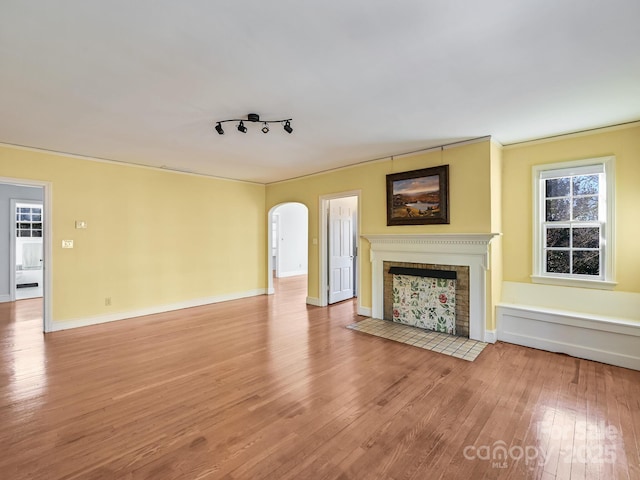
(340, 250)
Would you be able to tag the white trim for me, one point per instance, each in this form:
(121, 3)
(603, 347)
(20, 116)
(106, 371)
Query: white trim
(47, 248)
(603, 339)
(163, 168)
(113, 317)
(568, 135)
(5, 298)
(470, 250)
(573, 282)
(315, 302)
(446, 146)
(323, 255)
(608, 261)
(387, 158)
(364, 311)
(12, 249)
(491, 336)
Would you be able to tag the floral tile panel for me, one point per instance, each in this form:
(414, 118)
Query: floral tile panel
(425, 302)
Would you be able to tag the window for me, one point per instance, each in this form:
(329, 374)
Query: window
(28, 221)
(573, 223)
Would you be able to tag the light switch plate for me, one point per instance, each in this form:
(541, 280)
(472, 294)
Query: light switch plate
(67, 243)
(81, 224)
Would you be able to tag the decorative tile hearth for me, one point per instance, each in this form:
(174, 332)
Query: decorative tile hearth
(458, 347)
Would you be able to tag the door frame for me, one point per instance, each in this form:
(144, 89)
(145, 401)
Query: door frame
(47, 246)
(323, 228)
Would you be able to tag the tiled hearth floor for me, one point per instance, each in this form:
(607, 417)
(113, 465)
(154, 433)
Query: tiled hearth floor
(458, 347)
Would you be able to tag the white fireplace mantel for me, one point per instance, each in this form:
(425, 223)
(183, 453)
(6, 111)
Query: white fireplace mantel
(465, 249)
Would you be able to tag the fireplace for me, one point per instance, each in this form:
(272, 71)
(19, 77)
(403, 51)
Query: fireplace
(444, 251)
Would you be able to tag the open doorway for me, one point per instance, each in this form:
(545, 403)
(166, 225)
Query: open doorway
(339, 233)
(287, 242)
(26, 248)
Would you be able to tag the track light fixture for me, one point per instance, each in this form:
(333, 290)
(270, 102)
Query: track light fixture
(254, 117)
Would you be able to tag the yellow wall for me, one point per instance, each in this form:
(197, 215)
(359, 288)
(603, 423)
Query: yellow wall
(624, 143)
(470, 181)
(159, 238)
(153, 238)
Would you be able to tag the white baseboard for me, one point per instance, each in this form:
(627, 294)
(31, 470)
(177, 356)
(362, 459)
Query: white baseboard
(271, 291)
(607, 340)
(314, 301)
(490, 336)
(112, 317)
(5, 298)
(293, 273)
(364, 311)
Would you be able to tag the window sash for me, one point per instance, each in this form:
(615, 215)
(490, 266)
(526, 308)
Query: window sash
(605, 223)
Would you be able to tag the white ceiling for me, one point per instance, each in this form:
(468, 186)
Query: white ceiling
(144, 81)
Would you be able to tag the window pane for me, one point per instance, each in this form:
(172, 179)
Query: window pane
(557, 210)
(586, 262)
(585, 185)
(37, 233)
(24, 233)
(557, 237)
(586, 237)
(36, 217)
(24, 225)
(557, 261)
(36, 210)
(24, 210)
(36, 225)
(25, 217)
(557, 187)
(585, 208)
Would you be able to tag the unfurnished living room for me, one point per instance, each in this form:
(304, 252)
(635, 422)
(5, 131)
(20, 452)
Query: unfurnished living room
(330, 240)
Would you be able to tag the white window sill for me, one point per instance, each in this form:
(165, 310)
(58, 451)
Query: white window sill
(574, 282)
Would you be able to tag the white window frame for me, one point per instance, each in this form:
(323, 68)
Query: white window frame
(606, 281)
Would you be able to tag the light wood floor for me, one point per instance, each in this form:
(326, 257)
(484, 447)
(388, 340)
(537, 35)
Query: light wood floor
(270, 388)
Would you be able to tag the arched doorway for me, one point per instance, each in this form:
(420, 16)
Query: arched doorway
(288, 236)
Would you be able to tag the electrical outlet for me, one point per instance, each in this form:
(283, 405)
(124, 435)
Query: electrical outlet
(67, 243)
(81, 224)
(107, 301)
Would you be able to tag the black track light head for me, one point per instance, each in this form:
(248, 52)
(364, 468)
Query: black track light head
(219, 129)
(287, 127)
(241, 127)
(265, 129)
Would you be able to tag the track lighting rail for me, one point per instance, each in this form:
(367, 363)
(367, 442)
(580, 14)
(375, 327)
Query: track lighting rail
(254, 118)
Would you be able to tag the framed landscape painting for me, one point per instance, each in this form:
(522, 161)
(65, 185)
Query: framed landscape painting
(418, 197)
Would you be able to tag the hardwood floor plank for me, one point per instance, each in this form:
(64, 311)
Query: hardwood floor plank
(271, 388)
